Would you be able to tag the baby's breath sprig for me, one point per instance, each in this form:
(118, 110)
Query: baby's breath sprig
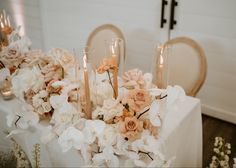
(222, 151)
(36, 155)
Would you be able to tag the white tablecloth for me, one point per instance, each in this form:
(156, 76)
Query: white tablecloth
(181, 132)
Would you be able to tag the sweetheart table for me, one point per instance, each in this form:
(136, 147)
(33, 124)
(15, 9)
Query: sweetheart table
(181, 137)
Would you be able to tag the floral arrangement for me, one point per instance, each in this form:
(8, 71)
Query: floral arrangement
(222, 152)
(50, 88)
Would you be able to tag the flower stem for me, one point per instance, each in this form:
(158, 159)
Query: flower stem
(143, 113)
(163, 97)
(109, 76)
(147, 153)
(17, 120)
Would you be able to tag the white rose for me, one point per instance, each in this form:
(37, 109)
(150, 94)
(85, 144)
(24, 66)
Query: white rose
(111, 108)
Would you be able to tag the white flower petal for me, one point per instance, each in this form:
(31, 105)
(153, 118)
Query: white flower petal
(16, 131)
(4, 73)
(153, 114)
(71, 137)
(140, 163)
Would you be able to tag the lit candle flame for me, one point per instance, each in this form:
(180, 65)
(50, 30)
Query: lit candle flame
(85, 60)
(161, 60)
(112, 50)
(2, 26)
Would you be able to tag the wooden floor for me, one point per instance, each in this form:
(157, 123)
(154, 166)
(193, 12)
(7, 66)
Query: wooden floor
(213, 127)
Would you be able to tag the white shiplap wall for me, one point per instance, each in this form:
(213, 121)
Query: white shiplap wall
(68, 24)
(212, 23)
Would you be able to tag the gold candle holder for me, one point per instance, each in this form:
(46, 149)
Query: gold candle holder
(7, 93)
(5, 29)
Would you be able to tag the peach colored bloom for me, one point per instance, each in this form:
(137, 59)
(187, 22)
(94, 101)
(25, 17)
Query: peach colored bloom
(107, 63)
(137, 99)
(131, 128)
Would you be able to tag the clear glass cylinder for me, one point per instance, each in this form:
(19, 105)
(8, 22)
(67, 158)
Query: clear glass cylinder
(161, 63)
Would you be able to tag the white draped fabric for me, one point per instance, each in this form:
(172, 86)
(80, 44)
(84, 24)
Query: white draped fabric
(181, 135)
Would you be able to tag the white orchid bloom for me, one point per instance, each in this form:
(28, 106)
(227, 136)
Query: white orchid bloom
(92, 129)
(4, 73)
(16, 131)
(102, 91)
(156, 92)
(71, 137)
(148, 80)
(108, 136)
(63, 110)
(47, 133)
(27, 79)
(106, 158)
(175, 94)
(154, 114)
(121, 145)
(23, 118)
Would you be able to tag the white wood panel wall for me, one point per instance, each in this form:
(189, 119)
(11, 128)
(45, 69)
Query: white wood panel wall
(69, 23)
(212, 23)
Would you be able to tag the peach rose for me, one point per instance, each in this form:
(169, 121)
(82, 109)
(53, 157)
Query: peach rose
(137, 99)
(131, 128)
(107, 63)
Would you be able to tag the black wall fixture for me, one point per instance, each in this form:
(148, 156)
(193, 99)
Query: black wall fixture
(172, 14)
(163, 20)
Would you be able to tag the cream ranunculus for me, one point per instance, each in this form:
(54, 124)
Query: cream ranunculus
(134, 79)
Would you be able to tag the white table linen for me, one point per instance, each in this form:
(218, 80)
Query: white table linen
(181, 135)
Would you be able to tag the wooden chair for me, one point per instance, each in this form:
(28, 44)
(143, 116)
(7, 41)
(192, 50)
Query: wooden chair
(98, 42)
(187, 64)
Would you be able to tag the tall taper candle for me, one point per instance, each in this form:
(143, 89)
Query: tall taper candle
(86, 90)
(115, 73)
